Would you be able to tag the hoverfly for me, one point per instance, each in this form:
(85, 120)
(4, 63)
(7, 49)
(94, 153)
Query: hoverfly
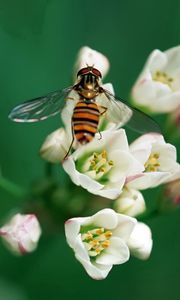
(87, 112)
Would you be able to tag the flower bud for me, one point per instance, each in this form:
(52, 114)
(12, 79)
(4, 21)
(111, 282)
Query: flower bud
(140, 241)
(87, 56)
(55, 146)
(21, 233)
(172, 190)
(130, 202)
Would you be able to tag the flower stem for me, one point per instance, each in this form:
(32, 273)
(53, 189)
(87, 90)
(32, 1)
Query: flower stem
(11, 188)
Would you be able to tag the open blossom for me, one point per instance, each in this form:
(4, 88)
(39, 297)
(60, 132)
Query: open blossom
(21, 234)
(130, 202)
(100, 241)
(158, 86)
(158, 158)
(106, 239)
(102, 165)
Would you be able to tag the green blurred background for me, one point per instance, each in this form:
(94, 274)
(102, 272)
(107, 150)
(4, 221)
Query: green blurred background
(39, 40)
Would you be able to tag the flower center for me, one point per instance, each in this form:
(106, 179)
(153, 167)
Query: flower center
(98, 165)
(163, 77)
(96, 240)
(152, 163)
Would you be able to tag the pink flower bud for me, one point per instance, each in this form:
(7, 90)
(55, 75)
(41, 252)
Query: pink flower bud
(173, 191)
(21, 233)
(175, 117)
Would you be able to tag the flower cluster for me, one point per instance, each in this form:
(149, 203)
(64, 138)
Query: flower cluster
(109, 167)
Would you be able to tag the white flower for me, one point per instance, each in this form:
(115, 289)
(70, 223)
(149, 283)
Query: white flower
(158, 86)
(102, 165)
(21, 233)
(55, 146)
(130, 202)
(100, 241)
(140, 242)
(87, 56)
(158, 158)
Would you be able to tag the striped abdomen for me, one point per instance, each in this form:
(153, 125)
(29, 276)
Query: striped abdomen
(85, 121)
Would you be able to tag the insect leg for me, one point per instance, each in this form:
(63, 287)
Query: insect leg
(104, 110)
(71, 142)
(100, 135)
(69, 149)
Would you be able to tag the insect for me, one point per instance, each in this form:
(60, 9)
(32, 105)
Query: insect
(87, 111)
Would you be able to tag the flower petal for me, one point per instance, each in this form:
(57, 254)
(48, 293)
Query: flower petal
(55, 146)
(140, 241)
(130, 202)
(79, 178)
(117, 253)
(93, 269)
(125, 227)
(106, 218)
(148, 180)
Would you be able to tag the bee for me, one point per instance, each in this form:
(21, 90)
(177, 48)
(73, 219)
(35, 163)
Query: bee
(87, 111)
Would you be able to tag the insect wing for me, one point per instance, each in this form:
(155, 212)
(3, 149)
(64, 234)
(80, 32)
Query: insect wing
(117, 111)
(123, 114)
(40, 108)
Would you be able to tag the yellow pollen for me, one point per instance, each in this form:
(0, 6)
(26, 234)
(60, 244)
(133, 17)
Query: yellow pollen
(95, 155)
(99, 163)
(104, 154)
(96, 240)
(99, 231)
(108, 234)
(163, 77)
(156, 155)
(92, 162)
(94, 243)
(105, 244)
(87, 236)
(98, 250)
(152, 163)
(110, 162)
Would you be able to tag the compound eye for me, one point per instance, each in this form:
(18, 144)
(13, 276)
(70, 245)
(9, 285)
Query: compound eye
(83, 71)
(96, 72)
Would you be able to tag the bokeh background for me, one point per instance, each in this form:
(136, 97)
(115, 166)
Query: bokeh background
(39, 40)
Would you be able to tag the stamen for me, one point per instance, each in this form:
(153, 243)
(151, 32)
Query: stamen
(163, 77)
(152, 164)
(99, 163)
(105, 244)
(96, 240)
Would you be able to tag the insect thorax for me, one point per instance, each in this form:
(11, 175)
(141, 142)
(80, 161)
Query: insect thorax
(88, 86)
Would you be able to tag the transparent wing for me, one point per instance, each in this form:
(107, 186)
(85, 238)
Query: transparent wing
(124, 114)
(40, 108)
